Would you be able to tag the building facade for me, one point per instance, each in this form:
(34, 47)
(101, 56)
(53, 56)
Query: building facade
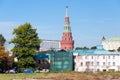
(67, 41)
(96, 60)
(49, 44)
(111, 43)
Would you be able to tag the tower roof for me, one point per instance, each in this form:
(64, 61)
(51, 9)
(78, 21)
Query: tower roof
(67, 27)
(103, 38)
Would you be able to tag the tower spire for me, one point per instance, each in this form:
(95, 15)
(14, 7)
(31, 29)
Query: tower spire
(66, 11)
(103, 38)
(67, 22)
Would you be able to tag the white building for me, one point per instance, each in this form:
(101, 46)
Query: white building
(49, 44)
(111, 43)
(96, 60)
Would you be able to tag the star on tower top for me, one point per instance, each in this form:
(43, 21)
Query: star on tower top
(66, 6)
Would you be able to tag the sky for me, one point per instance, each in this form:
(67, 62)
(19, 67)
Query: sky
(90, 20)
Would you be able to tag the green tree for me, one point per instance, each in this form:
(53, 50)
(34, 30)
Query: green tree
(93, 47)
(82, 48)
(85, 48)
(78, 48)
(2, 40)
(26, 43)
(118, 49)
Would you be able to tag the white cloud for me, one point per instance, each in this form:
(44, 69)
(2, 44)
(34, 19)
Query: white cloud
(8, 24)
(6, 29)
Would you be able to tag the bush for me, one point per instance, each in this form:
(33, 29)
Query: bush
(20, 70)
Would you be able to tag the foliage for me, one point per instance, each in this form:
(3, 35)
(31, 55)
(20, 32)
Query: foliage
(82, 48)
(26, 42)
(2, 40)
(48, 51)
(5, 59)
(78, 48)
(118, 49)
(112, 50)
(93, 47)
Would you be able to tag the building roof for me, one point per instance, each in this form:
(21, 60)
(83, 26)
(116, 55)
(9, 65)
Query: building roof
(39, 55)
(99, 51)
(114, 39)
(94, 52)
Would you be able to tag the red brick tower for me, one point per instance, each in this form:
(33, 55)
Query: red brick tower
(67, 41)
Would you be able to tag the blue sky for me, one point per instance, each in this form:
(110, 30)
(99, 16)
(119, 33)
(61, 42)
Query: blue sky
(90, 19)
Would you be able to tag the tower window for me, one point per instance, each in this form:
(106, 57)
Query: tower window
(69, 47)
(65, 47)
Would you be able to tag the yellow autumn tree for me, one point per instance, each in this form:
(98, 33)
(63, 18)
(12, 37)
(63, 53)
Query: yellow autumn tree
(5, 59)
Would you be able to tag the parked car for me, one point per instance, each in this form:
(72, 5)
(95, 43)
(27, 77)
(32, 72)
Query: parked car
(13, 70)
(28, 71)
(0, 70)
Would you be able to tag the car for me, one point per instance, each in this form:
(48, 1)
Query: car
(13, 70)
(0, 70)
(28, 71)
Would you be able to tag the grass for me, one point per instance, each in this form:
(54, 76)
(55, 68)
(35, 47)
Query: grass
(61, 76)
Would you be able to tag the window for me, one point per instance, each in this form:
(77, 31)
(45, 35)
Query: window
(92, 57)
(113, 63)
(108, 57)
(113, 57)
(91, 63)
(103, 63)
(87, 63)
(39, 61)
(69, 47)
(65, 48)
(81, 63)
(97, 57)
(97, 63)
(64, 38)
(86, 57)
(108, 63)
(103, 57)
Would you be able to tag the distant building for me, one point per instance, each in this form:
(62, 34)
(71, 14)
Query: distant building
(67, 41)
(96, 60)
(111, 43)
(42, 62)
(49, 44)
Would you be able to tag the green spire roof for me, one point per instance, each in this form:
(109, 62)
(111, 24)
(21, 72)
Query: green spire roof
(67, 27)
(66, 11)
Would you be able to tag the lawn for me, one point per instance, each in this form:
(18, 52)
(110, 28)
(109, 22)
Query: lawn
(61, 76)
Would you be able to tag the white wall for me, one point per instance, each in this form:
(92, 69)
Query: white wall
(97, 61)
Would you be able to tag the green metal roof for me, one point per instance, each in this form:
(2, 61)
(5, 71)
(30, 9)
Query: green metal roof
(114, 39)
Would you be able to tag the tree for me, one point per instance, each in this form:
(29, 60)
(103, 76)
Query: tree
(78, 48)
(2, 40)
(26, 43)
(112, 50)
(94, 47)
(118, 49)
(5, 59)
(82, 48)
